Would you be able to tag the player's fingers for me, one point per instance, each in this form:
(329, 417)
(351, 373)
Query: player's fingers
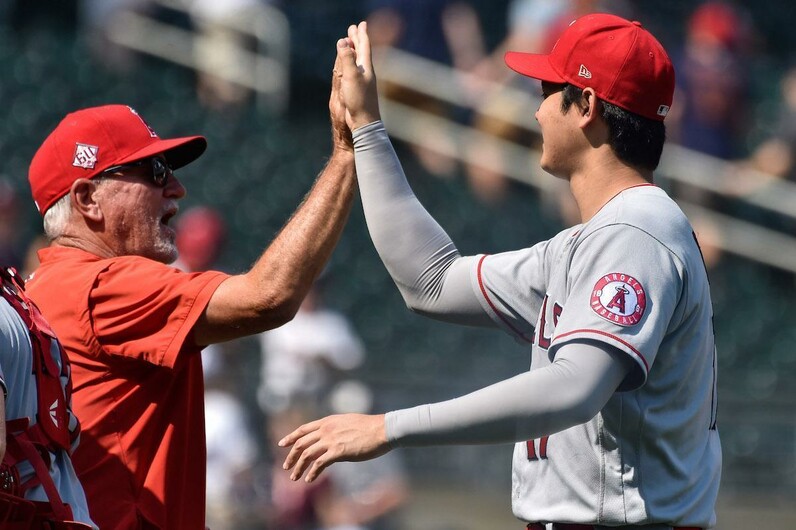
(337, 76)
(353, 36)
(363, 47)
(303, 430)
(308, 457)
(347, 57)
(305, 449)
(337, 71)
(318, 466)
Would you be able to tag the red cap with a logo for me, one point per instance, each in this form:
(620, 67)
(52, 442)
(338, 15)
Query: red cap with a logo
(89, 141)
(620, 60)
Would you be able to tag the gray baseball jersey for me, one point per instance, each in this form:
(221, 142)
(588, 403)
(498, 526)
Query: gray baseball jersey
(631, 277)
(19, 383)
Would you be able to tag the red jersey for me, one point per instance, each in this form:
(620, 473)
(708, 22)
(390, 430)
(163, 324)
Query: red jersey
(125, 323)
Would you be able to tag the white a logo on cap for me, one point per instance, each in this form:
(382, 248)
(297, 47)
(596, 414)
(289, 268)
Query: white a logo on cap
(149, 129)
(584, 72)
(85, 156)
(663, 110)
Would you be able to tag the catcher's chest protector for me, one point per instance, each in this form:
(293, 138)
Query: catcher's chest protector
(50, 433)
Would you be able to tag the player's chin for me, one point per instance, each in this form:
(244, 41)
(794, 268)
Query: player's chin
(546, 166)
(165, 251)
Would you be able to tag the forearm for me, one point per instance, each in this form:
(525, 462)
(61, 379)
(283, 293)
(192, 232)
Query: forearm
(423, 261)
(271, 292)
(292, 262)
(534, 404)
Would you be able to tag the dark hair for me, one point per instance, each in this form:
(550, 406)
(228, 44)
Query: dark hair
(635, 139)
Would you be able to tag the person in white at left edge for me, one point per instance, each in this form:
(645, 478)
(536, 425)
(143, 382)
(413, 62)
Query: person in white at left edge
(615, 423)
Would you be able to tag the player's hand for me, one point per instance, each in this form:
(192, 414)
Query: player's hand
(342, 437)
(359, 93)
(341, 133)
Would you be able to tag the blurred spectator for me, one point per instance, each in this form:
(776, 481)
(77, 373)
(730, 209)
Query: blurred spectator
(366, 495)
(711, 108)
(305, 374)
(777, 154)
(221, 50)
(444, 31)
(231, 450)
(353, 497)
(11, 252)
(302, 359)
(291, 505)
(97, 17)
(201, 233)
(231, 446)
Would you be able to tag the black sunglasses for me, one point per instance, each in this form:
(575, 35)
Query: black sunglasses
(160, 170)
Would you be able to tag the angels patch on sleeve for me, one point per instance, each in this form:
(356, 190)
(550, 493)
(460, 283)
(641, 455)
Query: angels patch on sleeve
(619, 298)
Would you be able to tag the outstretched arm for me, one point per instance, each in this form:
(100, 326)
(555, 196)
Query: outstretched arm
(533, 404)
(432, 276)
(271, 292)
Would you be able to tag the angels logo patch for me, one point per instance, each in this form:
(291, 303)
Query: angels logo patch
(619, 298)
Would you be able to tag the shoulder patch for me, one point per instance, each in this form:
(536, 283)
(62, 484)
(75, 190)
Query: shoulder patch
(619, 298)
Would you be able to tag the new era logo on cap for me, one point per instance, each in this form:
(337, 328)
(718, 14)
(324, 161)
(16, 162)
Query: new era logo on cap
(628, 67)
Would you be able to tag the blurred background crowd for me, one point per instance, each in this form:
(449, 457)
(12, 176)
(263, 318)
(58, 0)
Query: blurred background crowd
(253, 76)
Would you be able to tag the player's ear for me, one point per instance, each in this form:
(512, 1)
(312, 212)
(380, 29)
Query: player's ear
(589, 106)
(84, 200)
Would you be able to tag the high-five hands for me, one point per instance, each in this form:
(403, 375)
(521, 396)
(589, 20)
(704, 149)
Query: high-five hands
(358, 81)
(342, 437)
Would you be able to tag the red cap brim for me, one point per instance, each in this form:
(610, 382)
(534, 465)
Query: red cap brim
(178, 151)
(534, 65)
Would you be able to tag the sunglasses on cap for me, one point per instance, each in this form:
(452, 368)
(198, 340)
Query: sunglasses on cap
(160, 170)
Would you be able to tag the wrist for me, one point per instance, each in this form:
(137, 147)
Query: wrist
(363, 120)
(342, 153)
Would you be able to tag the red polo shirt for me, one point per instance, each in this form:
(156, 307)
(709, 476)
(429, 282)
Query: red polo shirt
(125, 323)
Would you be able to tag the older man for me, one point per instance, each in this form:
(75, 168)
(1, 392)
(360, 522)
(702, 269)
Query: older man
(132, 325)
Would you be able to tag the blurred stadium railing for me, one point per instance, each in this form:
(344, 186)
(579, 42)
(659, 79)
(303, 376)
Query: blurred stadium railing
(263, 68)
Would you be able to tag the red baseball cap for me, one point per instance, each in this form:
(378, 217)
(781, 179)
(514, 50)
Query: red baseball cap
(89, 141)
(620, 60)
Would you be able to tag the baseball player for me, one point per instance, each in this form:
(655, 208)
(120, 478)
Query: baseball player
(615, 423)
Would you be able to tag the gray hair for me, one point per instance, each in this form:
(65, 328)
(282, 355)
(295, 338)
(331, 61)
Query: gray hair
(56, 218)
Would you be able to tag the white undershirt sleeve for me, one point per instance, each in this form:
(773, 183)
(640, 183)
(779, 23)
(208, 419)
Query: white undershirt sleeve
(569, 392)
(433, 278)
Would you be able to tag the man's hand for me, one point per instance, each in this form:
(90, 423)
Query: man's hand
(341, 133)
(358, 90)
(342, 437)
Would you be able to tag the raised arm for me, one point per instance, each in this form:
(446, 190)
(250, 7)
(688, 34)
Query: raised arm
(271, 292)
(433, 278)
